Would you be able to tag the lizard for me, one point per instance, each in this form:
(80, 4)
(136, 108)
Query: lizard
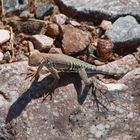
(63, 63)
(56, 63)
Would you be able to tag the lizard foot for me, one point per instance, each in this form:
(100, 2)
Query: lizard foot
(100, 94)
(50, 93)
(97, 88)
(31, 74)
(97, 101)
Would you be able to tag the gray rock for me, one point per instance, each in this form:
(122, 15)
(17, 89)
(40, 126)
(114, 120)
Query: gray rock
(125, 31)
(97, 10)
(7, 56)
(43, 9)
(14, 5)
(21, 57)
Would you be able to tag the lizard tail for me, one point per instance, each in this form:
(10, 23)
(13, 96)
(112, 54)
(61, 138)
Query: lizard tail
(117, 73)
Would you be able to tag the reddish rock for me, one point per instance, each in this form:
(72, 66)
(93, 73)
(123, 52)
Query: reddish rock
(74, 40)
(104, 49)
(53, 30)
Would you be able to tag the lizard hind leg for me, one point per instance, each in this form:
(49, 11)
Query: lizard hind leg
(92, 82)
(84, 77)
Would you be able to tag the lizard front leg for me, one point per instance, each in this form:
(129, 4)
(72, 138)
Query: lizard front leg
(56, 77)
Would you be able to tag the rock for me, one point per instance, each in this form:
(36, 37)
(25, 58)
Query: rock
(11, 86)
(74, 40)
(116, 87)
(42, 42)
(104, 49)
(105, 25)
(43, 9)
(21, 92)
(21, 57)
(129, 79)
(63, 117)
(1, 56)
(125, 31)
(137, 54)
(53, 30)
(125, 64)
(7, 56)
(4, 36)
(59, 19)
(27, 27)
(74, 23)
(98, 130)
(25, 15)
(15, 5)
(107, 9)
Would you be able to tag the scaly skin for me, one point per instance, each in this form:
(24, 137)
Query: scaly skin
(61, 62)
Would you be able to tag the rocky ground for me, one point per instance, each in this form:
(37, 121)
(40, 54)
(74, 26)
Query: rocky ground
(103, 33)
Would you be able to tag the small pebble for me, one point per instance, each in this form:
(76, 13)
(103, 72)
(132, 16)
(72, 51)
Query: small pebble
(74, 23)
(7, 56)
(25, 15)
(42, 42)
(104, 49)
(105, 24)
(1, 56)
(53, 30)
(60, 19)
(4, 36)
(21, 57)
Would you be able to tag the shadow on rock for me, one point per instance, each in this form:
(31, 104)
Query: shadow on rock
(39, 89)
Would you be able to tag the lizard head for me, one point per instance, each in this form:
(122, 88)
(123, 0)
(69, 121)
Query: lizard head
(35, 58)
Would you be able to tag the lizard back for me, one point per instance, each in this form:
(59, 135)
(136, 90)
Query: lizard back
(68, 63)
